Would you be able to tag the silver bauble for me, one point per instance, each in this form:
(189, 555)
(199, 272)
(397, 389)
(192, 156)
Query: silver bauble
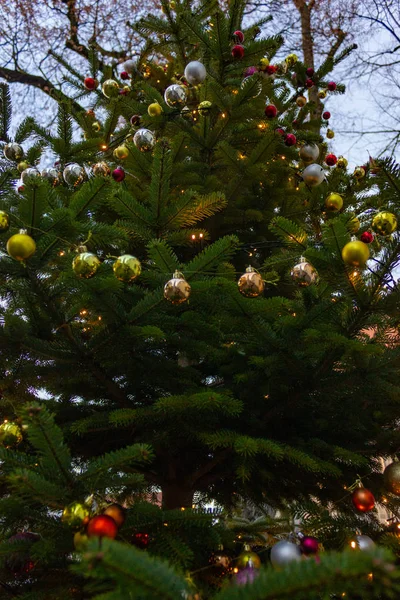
(309, 153)
(144, 140)
(74, 174)
(195, 72)
(304, 274)
(283, 553)
(362, 542)
(129, 66)
(52, 175)
(101, 169)
(29, 175)
(13, 151)
(175, 96)
(313, 175)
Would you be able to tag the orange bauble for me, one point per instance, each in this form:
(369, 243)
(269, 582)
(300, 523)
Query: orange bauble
(363, 500)
(116, 512)
(102, 526)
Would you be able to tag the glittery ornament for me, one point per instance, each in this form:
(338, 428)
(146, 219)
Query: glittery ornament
(251, 283)
(144, 140)
(283, 553)
(175, 96)
(21, 246)
(10, 434)
(13, 151)
(177, 290)
(304, 274)
(195, 72)
(127, 268)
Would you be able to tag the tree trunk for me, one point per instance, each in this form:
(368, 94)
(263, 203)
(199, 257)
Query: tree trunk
(176, 496)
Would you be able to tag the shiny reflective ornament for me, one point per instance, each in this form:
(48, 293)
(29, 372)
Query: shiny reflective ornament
(246, 575)
(102, 526)
(309, 544)
(363, 543)
(355, 253)
(29, 175)
(363, 500)
(144, 140)
(75, 514)
(353, 224)
(117, 512)
(10, 434)
(384, 223)
(204, 108)
(195, 72)
(129, 66)
(221, 559)
(330, 134)
(118, 174)
(313, 175)
(96, 126)
(309, 153)
(135, 120)
(110, 88)
(85, 264)
(251, 283)
(121, 152)
(177, 290)
(282, 68)
(359, 172)
(101, 169)
(334, 202)
(175, 96)
(80, 541)
(342, 162)
(247, 557)
(154, 109)
(283, 553)
(4, 221)
(74, 174)
(21, 246)
(13, 151)
(291, 59)
(22, 166)
(322, 94)
(90, 83)
(52, 175)
(304, 274)
(302, 101)
(367, 237)
(391, 478)
(127, 268)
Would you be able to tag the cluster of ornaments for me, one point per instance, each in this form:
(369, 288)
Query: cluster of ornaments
(107, 524)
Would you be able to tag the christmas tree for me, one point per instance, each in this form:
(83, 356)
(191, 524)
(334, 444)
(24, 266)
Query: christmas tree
(198, 303)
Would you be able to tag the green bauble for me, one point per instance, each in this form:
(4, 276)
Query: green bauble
(85, 264)
(384, 223)
(110, 88)
(75, 514)
(10, 434)
(127, 268)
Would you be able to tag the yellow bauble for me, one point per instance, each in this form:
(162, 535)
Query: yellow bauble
(301, 101)
(264, 62)
(110, 88)
(4, 221)
(75, 514)
(22, 166)
(21, 246)
(127, 268)
(359, 172)
(355, 253)
(204, 108)
(80, 541)
(85, 264)
(353, 225)
(245, 557)
(342, 162)
(322, 94)
(172, 5)
(330, 134)
(291, 59)
(334, 202)
(96, 126)
(121, 152)
(154, 109)
(10, 434)
(384, 223)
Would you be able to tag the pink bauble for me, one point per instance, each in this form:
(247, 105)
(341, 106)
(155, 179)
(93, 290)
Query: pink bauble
(309, 545)
(118, 174)
(246, 575)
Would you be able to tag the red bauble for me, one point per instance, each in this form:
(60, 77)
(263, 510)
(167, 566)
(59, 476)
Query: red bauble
(309, 72)
(124, 75)
(309, 83)
(309, 545)
(330, 160)
(363, 500)
(118, 174)
(332, 86)
(326, 115)
(238, 51)
(90, 83)
(290, 139)
(367, 237)
(271, 111)
(102, 526)
(238, 36)
(141, 540)
(135, 120)
(280, 131)
(270, 69)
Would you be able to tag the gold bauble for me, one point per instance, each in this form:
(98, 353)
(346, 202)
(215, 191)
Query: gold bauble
(330, 134)
(301, 101)
(245, 557)
(127, 268)
(96, 126)
(291, 59)
(264, 62)
(322, 94)
(121, 152)
(13, 151)
(110, 88)
(304, 274)
(154, 109)
(10, 434)
(204, 108)
(80, 541)
(117, 512)
(22, 166)
(21, 246)
(384, 223)
(342, 162)
(251, 283)
(177, 290)
(355, 253)
(334, 202)
(75, 514)
(353, 224)
(391, 478)
(85, 264)
(101, 169)
(359, 172)
(4, 221)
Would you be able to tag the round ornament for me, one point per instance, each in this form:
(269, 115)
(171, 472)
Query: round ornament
(144, 140)
(367, 237)
(129, 66)
(290, 139)
(247, 557)
(117, 512)
(52, 175)
(195, 72)
(309, 153)
(238, 51)
(102, 526)
(291, 59)
(391, 478)
(353, 224)
(177, 290)
(330, 160)
(263, 63)
(304, 274)
(326, 115)
(310, 72)
(251, 283)
(96, 126)
(80, 541)
(90, 83)
(355, 253)
(101, 169)
(127, 268)
(154, 109)
(238, 36)
(270, 111)
(85, 264)
(309, 83)
(75, 514)
(21, 246)
(124, 75)
(135, 120)
(363, 543)
(384, 223)
(313, 175)
(20, 562)
(74, 174)
(246, 575)
(249, 72)
(4, 221)
(110, 88)
(334, 202)
(13, 151)
(141, 540)
(322, 94)
(204, 108)
(121, 152)
(10, 434)
(221, 559)
(359, 173)
(118, 174)
(21, 166)
(309, 544)
(331, 86)
(283, 553)
(29, 175)
(363, 500)
(342, 162)
(330, 134)
(301, 101)
(175, 96)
